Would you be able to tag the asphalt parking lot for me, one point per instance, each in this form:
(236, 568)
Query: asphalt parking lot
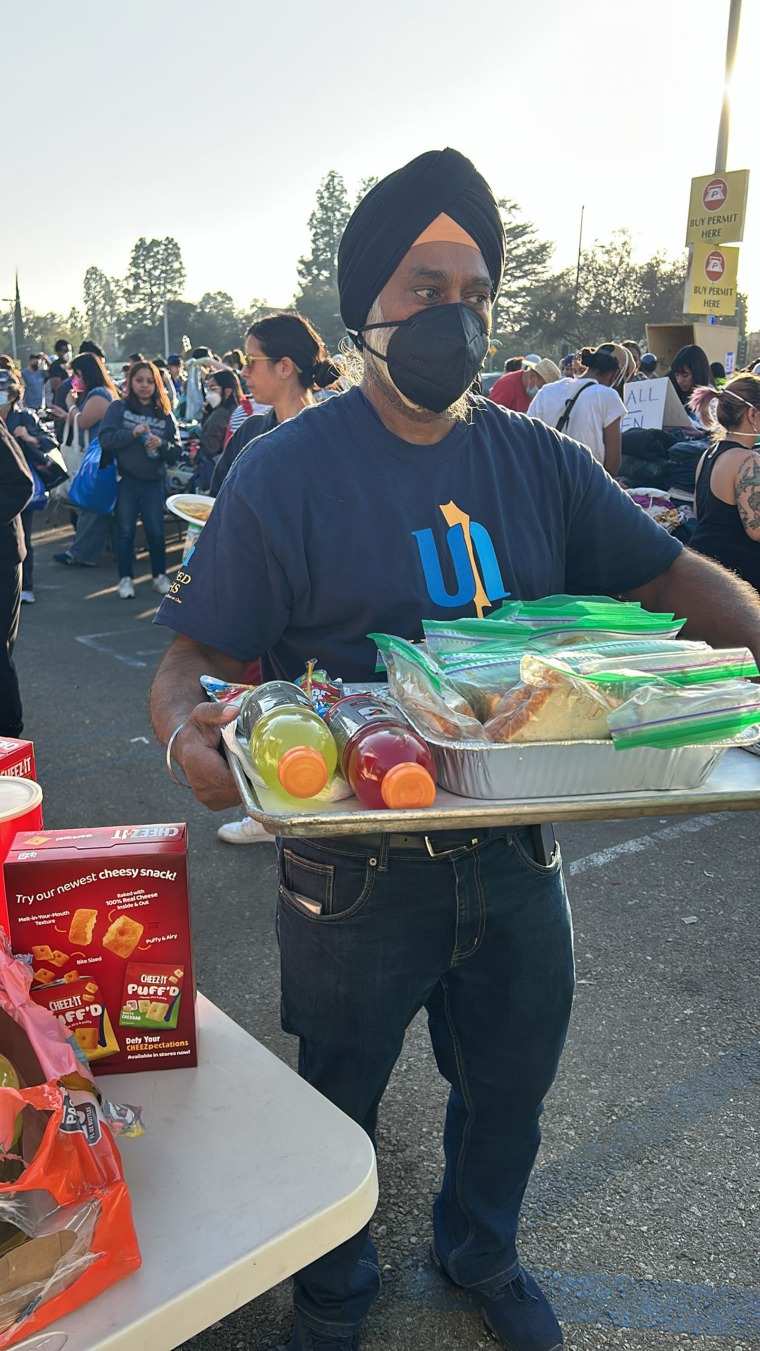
(642, 1217)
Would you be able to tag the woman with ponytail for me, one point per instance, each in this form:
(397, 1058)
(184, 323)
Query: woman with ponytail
(285, 362)
(728, 476)
(590, 409)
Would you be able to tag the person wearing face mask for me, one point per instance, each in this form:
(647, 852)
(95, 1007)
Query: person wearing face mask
(590, 408)
(222, 398)
(141, 434)
(34, 380)
(410, 498)
(727, 493)
(516, 389)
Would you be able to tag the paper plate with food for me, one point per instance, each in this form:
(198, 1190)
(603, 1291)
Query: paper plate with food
(194, 508)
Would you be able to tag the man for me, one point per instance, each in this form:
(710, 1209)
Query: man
(339, 525)
(16, 492)
(515, 389)
(174, 362)
(648, 366)
(34, 381)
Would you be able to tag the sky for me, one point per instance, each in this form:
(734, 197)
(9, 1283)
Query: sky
(216, 126)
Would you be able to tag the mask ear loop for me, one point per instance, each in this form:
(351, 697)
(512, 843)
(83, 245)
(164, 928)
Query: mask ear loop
(355, 334)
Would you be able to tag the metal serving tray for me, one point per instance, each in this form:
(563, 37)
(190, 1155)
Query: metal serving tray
(733, 785)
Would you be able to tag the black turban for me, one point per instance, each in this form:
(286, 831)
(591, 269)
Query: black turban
(394, 214)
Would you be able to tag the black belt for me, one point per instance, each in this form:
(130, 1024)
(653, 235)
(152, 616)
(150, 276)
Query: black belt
(437, 842)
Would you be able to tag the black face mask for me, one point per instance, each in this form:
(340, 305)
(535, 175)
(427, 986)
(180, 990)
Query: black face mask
(434, 356)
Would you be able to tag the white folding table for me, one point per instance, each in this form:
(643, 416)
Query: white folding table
(244, 1175)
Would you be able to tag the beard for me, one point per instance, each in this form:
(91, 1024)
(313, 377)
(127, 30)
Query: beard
(377, 375)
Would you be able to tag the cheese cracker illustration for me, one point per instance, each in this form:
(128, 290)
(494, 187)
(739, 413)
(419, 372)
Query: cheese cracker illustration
(42, 953)
(81, 928)
(43, 976)
(87, 1038)
(123, 936)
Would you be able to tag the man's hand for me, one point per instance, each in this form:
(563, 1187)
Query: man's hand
(197, 750)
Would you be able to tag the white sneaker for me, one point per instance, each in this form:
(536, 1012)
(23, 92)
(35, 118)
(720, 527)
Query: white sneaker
(27, 598)
(246, 831)
(126, 588)
(162, 584)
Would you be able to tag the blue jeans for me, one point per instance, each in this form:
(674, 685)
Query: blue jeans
(482, 939)
(139, 498)
(91, 538)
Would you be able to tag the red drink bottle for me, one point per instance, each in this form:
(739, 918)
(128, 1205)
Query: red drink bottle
(386, 763)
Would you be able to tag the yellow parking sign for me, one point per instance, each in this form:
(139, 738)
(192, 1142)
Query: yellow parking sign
(717, 207)
(711, 282)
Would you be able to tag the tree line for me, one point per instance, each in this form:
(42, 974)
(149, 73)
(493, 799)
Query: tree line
(610, 294)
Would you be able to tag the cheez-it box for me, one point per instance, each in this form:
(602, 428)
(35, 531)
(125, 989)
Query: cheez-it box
(104, 917)
(17, 758)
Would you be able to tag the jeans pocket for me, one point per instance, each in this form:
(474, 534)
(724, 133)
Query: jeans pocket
(323, 891)
(525, 846)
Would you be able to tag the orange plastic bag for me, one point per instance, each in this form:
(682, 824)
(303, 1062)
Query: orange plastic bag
(66, 1230)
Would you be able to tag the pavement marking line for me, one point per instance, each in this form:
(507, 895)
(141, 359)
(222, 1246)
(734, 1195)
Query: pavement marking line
(554, 1187)
(615, 1301)
(662, 1306)
(92, 640)
(689, 826)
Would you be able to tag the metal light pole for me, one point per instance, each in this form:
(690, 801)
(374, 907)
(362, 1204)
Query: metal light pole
(166, 326)
(578, 268)
(732, 39)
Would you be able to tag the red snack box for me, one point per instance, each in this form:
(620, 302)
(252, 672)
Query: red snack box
(87, 905)
(17, 758)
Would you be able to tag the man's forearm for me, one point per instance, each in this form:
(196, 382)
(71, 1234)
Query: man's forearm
(718, 607)
(176, 689)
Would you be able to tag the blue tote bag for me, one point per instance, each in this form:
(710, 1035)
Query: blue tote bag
(93, 488)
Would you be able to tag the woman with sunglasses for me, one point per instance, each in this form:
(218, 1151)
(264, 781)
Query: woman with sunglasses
(285, 362)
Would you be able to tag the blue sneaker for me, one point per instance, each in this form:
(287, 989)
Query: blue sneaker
(520, 1316)
(305, 1338)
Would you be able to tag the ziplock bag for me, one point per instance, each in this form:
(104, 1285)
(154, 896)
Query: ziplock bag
(669, 716)
(420, 686)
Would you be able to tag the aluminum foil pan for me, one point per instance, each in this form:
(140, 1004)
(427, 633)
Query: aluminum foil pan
(567, 768)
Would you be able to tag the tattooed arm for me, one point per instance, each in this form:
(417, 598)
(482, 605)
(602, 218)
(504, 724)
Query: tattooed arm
(748, 493)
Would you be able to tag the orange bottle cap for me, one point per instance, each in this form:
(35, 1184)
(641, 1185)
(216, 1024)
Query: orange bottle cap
(303, 772)
(408, 785)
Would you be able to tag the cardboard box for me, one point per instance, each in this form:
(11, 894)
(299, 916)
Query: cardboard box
(17, 758)
(718, 341)
(104, 916)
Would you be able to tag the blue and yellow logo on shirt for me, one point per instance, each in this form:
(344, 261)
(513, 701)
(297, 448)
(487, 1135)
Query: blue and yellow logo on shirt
(476, 567)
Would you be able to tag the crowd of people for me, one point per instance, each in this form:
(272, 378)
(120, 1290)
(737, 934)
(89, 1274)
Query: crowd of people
(473, 925)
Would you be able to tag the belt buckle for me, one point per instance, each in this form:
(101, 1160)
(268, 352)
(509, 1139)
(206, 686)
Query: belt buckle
(454, 849)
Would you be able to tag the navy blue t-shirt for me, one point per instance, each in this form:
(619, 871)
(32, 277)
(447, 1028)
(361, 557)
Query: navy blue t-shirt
(332, 528)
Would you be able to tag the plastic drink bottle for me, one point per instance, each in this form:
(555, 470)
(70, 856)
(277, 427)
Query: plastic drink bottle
(386, 763)
(290, 745)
